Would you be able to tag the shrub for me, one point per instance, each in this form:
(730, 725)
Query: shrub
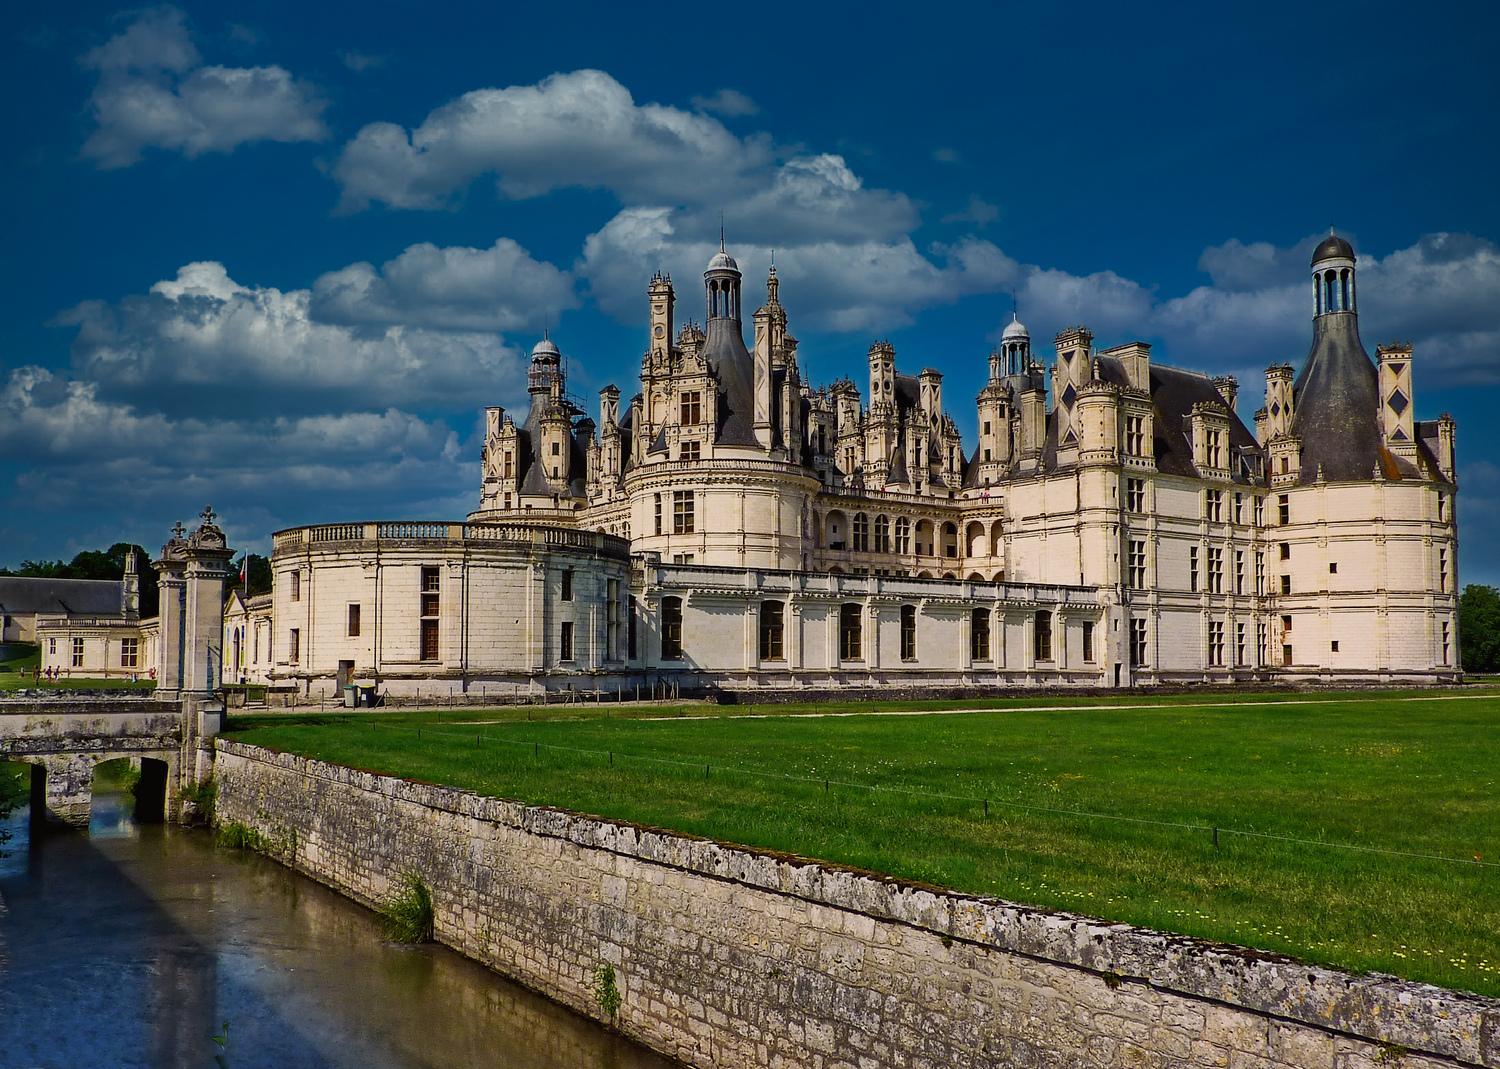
(238, 836)
(605, 991)
(203, 797)
(407, 918)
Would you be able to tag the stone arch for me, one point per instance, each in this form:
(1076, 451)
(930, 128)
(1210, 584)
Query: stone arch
(924, 543)
(975, 577)
(950, 539)
(997, 538)
(974, 540)
(836, 530)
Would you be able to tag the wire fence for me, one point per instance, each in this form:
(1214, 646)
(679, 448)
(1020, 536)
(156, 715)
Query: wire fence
(828, 783)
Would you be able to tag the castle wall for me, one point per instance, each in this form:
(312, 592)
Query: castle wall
(725, 955)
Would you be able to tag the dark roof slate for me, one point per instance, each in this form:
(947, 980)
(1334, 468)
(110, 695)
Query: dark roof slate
(23, 595)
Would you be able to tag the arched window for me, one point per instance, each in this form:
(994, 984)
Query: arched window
(1043, 635)
(882, 534)
(851, 632)
(903, 535)
(995, 539)
(1318, 294)
(1344, 286)
(974, 540)
(838, 533)
(1330, 282)
(772, 621)
(671, 629)
(924, 546)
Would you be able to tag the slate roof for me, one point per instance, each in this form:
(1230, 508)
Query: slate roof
(1336, 405)
(20, 596)
(726, 355)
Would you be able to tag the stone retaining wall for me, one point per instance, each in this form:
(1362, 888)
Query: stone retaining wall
(734, 957)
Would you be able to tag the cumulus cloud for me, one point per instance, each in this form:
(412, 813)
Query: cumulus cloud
(153, 91)
(204, 341)
(496, 289)
(728, 102)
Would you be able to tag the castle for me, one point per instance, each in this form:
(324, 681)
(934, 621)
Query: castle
(1114, 524)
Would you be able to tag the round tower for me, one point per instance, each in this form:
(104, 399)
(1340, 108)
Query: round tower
(1333, 277)
(721, 280)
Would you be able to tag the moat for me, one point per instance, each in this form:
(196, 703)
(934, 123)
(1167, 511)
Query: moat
(135, 944)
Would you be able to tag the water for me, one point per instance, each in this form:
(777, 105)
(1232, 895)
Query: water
(134, 945)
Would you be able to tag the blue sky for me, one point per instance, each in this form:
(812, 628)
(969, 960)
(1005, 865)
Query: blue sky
(279, 257)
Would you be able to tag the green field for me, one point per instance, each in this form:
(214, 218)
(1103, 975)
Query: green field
(1106, 810)
(15, 674)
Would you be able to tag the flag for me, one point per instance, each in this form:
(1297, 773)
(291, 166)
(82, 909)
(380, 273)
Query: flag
(244, 569)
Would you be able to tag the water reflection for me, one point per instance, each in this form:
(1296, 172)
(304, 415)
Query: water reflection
(133, 946)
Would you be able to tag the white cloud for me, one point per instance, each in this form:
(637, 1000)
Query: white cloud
(358, 61)
(976, 211)
(730, 102)
(153, 92)
(496, 289)
(205, 342)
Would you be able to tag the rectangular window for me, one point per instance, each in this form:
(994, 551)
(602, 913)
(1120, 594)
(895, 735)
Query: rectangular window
(630, 631)
(510, 466)
(1135, 495)
(1286, 623)
(1088, 642)
(1193, 568)
(296, 586)
(52, 645)
(682, 558)
(691, 450)
(1215, 571)
(1215, 643)
(1286, 584)
(862, 532)
(1138, 564)
(1239, 645)
(882, 534)
(1284, 508)
(1445, 638)
(1286, 654)
(908, 632)
(671, 629)
(1259, 512)
(130, 653)
(353, 630)
(1442, 570)
(612, 621)
(903, 535)
(851, 633)
(565, 646)
(1440, 500)
(1215, 449)
(691, 409)
(658, 514)
(979, 636)
(77, 651)
(1239, 508)
(1260, 644)
(429, 640)
(1137, 643)
(1334, 646)
(1333, 568)
(1286, 550)
(772, 630)
(1214, 501)
(1239, 571)
(1043, 635)
(430, 579)
(556, 451)
(1135, 435)
(1440, 508)
(294, 646)
(567, 584)
(1260, 577)
(682, 512)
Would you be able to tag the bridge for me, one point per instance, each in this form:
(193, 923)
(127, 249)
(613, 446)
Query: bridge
(65, 739)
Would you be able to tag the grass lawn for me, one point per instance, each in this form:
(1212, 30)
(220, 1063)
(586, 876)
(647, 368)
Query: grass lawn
(905, 794)
(15, 674)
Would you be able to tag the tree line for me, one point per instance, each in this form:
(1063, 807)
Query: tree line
(110, 564)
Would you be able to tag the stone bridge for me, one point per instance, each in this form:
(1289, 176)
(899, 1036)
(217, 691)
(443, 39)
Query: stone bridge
(63, 739)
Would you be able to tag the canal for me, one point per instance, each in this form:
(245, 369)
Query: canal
(147, 945)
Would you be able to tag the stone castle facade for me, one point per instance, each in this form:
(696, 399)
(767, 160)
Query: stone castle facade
(1115, 523)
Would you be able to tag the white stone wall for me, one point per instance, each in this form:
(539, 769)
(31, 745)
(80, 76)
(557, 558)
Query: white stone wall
(726, 956)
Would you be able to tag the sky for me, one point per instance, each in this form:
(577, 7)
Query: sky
(279, 257)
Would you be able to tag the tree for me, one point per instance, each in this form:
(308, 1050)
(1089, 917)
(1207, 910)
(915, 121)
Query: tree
(96, 564)
(257, 575)
(1479, 629)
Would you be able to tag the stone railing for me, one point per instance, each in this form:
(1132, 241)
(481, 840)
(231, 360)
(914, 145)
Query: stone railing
(772, 581)
(406, 531)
